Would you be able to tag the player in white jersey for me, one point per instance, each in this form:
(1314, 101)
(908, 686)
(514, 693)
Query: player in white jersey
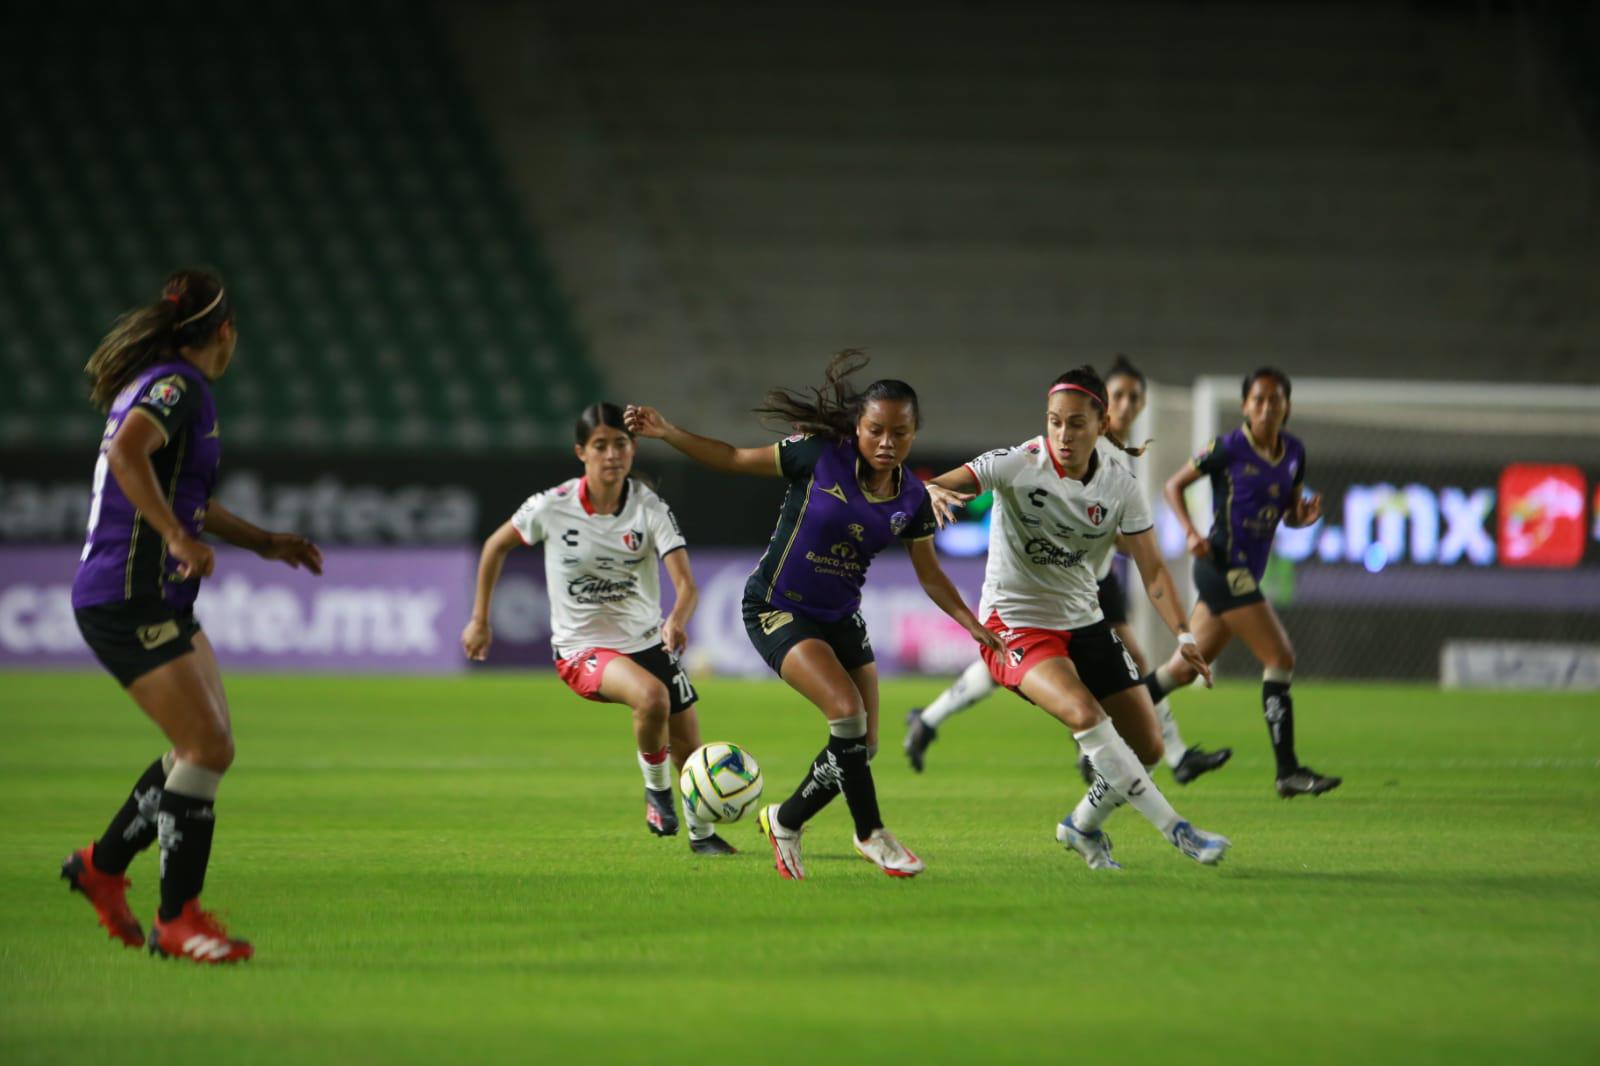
(1126, 393)
(1059, 512)
(605, 537)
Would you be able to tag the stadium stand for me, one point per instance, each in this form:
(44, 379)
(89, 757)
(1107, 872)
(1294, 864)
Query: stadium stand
(327, 159)
(1367, 189)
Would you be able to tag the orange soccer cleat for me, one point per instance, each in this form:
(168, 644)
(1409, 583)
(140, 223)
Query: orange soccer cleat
(106, 893)
(197, 936)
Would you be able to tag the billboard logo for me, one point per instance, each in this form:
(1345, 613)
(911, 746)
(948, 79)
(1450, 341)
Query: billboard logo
(1541, 515)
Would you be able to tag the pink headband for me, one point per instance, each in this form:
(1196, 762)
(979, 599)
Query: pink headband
(1069, 387)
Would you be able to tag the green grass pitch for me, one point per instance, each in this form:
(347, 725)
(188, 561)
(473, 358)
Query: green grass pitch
(458, 870)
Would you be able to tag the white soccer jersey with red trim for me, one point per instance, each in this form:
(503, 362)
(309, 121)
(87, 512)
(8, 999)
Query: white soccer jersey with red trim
(603, 571)
(1050, 536)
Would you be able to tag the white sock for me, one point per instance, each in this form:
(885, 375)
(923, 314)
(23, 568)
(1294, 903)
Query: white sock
(657, 775)
(1091, 814)
(1171, 739)
(973, 685)
(1121, 774)
(698, 830)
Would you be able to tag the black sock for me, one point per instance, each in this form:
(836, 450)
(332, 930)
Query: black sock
(855, 777)
(821, 784)
(133, 828)
(185, 825)
(1157, 693)
(1278, 706)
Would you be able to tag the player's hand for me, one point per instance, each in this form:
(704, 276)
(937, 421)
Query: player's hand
(293, 549)
(1199, 547)
(674, 636)
(991, 640)
(645, 421)
(195, 558)
(475, 640)
(1307, 509)
(945, 502)
(1191, 655)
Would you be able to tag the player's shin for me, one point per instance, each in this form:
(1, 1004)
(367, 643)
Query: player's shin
(847, 743)
(185, 820)
(1120, 770)
(1278, 707)
(133, 827)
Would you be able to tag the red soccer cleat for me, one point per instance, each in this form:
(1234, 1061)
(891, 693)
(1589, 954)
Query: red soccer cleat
(106, 893)
(198, 937)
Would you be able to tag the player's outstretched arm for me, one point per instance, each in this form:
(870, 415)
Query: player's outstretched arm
(937, 584)
(290, 548)
(951, 490)
(477, 636)
(1163, 595)
(718, 455)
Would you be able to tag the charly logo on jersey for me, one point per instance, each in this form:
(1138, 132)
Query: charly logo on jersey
(898, 522)
(856, 530)
(1042, 552)
(1097, 514)
(794, 438)
(166, 393)
(632, 539)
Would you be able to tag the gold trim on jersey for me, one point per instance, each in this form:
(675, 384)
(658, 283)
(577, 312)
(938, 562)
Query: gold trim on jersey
(794, 534)
(772, 621)
(777, 457)
(172, 498)
(1283, 446)
(837, 493)
(165, 436)
(898, 479)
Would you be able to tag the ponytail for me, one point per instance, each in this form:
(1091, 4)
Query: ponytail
(192, 307)
(834, 409)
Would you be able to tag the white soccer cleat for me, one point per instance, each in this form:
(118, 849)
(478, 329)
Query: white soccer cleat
(1095, 847)
(888, 854)
(1205, 848)
(785, 844)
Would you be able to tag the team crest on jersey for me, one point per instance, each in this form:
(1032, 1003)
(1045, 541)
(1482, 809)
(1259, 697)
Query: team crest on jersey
(632, 539)
(166, 393)
(1097, 514)
(898, 522)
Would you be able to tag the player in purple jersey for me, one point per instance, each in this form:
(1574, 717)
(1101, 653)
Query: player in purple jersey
(849, 497)
(134, 601)
(1257, 475)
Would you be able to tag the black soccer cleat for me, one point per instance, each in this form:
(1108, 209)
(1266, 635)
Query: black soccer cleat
(1197, 761)
(1307, 782)
(1086, 770)
(712, 845)
(919, 735)
(659, 817)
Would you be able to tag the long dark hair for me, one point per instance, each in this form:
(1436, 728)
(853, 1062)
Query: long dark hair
(593, 417)
(1085, 379)
(835, 408)
(192, 307)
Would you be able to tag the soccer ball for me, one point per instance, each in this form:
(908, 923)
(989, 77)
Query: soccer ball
(720, 782)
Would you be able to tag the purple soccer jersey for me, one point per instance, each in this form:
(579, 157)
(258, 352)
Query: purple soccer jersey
(830, 528)
(124, 558)
(1250, 493)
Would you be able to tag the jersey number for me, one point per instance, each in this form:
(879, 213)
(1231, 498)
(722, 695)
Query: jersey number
(685, 690)
(1133, 667)
(101, 467)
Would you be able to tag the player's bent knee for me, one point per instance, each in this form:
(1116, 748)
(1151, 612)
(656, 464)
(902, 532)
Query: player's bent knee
(656, 704)
(1149, 751)
(214, 753)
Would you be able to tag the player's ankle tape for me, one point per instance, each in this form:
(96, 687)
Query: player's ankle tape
(852, 728)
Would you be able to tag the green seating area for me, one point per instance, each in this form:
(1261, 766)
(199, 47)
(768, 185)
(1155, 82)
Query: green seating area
(327, 160)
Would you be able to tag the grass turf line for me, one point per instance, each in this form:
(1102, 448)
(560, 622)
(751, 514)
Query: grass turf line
(452, 869)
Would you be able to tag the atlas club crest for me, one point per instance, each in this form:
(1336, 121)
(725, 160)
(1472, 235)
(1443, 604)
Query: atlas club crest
(1097, 514)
